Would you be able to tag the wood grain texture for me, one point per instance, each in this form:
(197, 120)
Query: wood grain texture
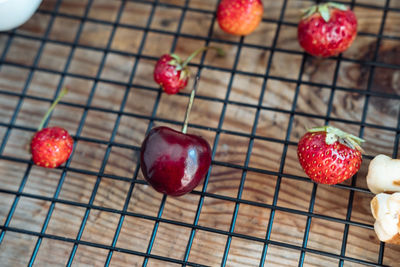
(273, 122)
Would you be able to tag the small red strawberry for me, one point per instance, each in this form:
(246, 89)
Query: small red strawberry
(172, 74)
(329, 155)
(327, 29)
(239, 17)
(52, 146)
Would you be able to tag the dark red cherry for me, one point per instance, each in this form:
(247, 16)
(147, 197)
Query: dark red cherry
(172, 162)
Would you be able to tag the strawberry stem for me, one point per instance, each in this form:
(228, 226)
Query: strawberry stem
(190, 104)
(220, 52)
(46, 116)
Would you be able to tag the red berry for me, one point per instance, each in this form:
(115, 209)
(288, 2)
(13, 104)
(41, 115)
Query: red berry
(239, 17)
(170, 75)
(172, 162)
(329, 155)
(327, 30)
(51, 147)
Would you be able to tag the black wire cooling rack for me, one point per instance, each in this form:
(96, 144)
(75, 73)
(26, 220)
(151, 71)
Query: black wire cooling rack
(51, 9)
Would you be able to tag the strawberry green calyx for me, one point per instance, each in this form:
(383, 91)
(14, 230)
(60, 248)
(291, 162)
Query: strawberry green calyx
(46, 116)
(323, 10)
(177, 62)
(334, 134)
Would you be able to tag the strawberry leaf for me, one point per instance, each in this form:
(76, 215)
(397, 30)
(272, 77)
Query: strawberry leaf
(330, 138)
(176, 57)
(325, 12)
(173, 62)
(337, 5)
(184, 74)
(334, 134)
(309, 11)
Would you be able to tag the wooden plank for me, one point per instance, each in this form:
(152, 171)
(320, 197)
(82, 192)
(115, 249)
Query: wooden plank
(170, 240)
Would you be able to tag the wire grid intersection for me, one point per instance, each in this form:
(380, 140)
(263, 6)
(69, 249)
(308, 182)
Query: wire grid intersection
(158, 219)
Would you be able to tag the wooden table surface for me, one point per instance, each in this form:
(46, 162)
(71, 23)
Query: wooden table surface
(285, 104)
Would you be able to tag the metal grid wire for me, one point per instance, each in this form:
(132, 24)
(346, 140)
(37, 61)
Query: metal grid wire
(245, 168)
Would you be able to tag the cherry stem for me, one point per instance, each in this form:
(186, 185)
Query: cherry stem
(201, 49)
(46, 116)
(190, 104)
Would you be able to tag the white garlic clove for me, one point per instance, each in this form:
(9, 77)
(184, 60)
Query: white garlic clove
(384, 175)
(386, 211)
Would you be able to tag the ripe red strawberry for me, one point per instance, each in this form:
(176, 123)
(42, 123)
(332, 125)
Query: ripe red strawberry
(51, 147)
(239, 17)
(172, 74)
(329, 155)
(327, 29)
